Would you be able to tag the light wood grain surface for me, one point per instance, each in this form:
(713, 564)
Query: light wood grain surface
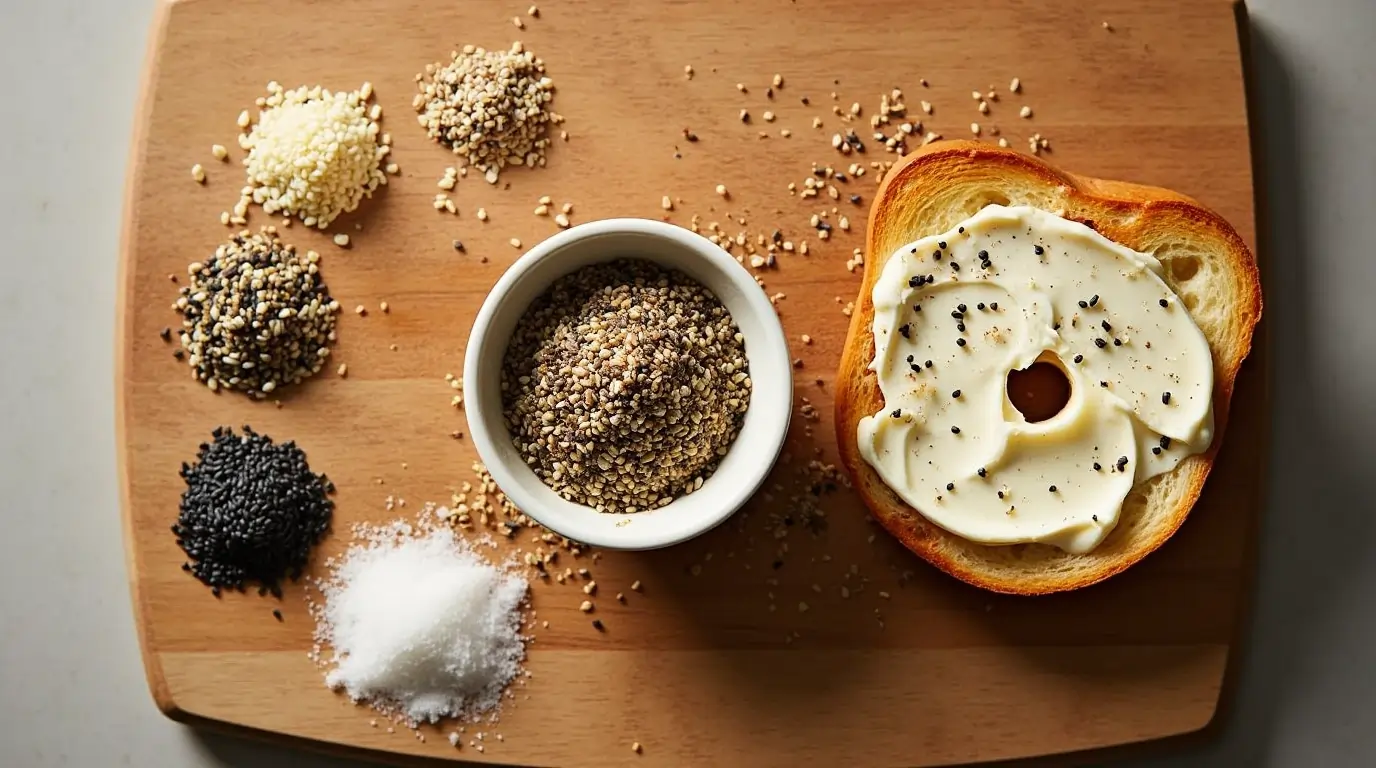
(697, 668)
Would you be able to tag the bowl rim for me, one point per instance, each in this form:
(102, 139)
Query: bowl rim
(744, 484)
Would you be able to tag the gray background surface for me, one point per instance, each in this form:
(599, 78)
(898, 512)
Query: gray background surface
(72, 690)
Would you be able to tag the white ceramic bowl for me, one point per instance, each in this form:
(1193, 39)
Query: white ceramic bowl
(750, 458)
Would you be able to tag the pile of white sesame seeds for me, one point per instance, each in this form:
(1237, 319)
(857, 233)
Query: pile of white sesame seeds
(491, 107)
(313, 154)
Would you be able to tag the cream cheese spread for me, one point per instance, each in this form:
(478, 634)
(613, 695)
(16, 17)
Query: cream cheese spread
(955, 313)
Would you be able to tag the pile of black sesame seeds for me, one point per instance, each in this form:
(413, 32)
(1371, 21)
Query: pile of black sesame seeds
(256, 316)
(251, 512)
(624, 385)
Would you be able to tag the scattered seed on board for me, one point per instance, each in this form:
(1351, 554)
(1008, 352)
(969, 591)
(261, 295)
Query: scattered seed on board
(198, 173)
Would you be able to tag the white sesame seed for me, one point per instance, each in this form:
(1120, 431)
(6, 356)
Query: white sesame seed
(244, 119)
(515, 242)
(926, 107)
(688, 71)
(976, 95)
(778, 81)
(343, 370)
(1003, 142)
(721, 190)
(542, 210)
(984, 107)
(341, 240)
(516, 22)
(740, 87)
(974, 128)
(482, 214)
(807, 339)
(666, 203)
(1015, 86)
(219, 151)
(586, 606)
(768, 117)
(562, 221)
(1025, 112)
(198, 173)
(533, 12)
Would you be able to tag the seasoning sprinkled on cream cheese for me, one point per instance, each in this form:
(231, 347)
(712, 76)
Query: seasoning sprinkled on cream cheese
(1065, 298)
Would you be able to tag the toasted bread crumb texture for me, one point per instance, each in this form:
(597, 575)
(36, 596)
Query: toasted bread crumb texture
(1206, 263)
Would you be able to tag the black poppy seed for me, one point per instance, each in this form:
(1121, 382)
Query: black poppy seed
(961, 230)
(906, 330)
(598, 625)
(960, 342)
(840, 177)
(1083, 304)
(1122, 462)
(983, 472)
(914, 249)
(980, 306)
(277, 614)
(1052, 489)
(1039, 251)
(1055, 326)
(1098, 466)
(251, 512)
(915, 281)
(1165, 442)
(927, 363)
(936, 255)
(950, 486)
(1163, 303)
(1100, 343)
(1095, 518)
(1117, 342)
(855, 199)
(1079, 358)
(910, 358)
(897, 413)
(1094, 300)
(960, 327)
(955, 265)
(915, 368)
(1104, 324)
(917, 307)
(957, 314)
(986, 264)
(994, 306)
(805, 101)
(956, 394)
(955, 430)
(1104, 384)
(1000, 494)
(1156, 449)
(1166, 398)
(961, 307)
(983, 255)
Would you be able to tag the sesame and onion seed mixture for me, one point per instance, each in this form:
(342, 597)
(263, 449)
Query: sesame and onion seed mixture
(490, 107)
(624, 384)
(256, 315)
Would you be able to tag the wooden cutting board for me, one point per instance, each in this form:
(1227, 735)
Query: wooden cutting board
(697, 668)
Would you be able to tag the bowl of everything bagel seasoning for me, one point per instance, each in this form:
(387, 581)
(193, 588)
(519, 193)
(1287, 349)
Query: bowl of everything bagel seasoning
(628, 384)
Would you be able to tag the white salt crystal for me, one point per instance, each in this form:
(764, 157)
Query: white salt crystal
(421, 626)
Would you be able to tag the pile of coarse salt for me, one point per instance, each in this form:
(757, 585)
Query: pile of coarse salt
(420, 625)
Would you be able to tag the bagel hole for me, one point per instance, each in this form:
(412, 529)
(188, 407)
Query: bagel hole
(1039, 391)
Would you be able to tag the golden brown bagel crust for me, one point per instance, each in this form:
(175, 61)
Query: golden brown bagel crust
(1207, 264)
